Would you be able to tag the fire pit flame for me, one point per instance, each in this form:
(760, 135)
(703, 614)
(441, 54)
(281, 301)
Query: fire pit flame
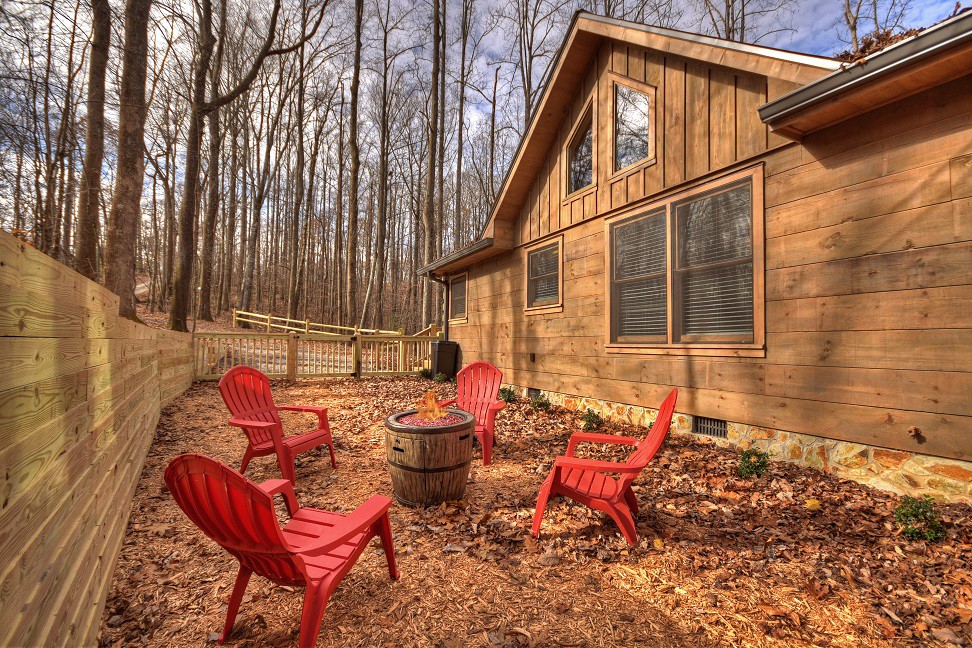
(428, 408)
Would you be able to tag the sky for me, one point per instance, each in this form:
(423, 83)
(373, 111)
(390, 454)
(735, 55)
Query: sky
(815, 24)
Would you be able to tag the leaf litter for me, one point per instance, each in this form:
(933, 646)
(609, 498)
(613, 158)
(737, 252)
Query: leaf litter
(795, 557)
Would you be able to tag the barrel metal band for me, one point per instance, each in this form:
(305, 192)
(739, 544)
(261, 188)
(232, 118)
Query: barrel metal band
(428, 470)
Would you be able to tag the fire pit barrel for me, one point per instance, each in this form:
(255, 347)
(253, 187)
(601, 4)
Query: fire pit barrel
(429, 463)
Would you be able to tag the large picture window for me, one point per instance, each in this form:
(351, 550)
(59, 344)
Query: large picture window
(544, 285)
(457, 297)
(687, 272)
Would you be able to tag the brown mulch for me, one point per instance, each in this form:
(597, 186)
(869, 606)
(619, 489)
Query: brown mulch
(720, 561)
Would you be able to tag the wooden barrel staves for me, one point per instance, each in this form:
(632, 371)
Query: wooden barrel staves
(429, 465)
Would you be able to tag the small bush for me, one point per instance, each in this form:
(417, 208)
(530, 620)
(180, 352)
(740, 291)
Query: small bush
(440, 378)
(540, 402)
(508, 394)
(918, 519)
(592, 420)
(753, 461)
(426, 373)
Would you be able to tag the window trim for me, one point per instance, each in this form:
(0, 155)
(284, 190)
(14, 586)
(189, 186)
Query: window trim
(557, 307)
(615, 80)
(465, 317)
(589, 110)
(710, 347)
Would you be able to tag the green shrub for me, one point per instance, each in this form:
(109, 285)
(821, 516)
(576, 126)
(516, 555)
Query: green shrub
(426, 373)
(592, 420)
(918, 519)
(440, 378)
(540, 402)
(508, 394)
(753, 461)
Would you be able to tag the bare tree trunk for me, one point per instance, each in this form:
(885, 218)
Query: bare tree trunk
(352, 248)
(126, 208)
(428, 208)
(86, 245)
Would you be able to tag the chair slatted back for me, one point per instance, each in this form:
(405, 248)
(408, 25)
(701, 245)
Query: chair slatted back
(477, 387)
(649, 446)
(244, 389)
(234, 512)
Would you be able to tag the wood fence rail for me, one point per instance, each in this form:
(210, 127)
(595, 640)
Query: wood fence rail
(271, 323)
(292, 355)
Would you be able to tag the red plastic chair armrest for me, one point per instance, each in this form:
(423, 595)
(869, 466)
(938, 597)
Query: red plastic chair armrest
(594, 437)
(320, 411)
(595, 465)
(282, 487)
(447, 403)
(352, 524)
(247, 423)
(497, 406)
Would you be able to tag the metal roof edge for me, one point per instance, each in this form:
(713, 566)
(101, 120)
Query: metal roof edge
(457, 255)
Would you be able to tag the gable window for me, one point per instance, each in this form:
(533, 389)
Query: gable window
(580, 155)
(544, 286)
(457, 297)
(632, 126)
(686, 273)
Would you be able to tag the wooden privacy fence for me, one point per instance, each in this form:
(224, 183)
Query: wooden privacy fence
(292, 355)
(80, 393)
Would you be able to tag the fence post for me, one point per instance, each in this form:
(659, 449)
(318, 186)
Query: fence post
(306, 326)
(401, 355)
(234, 318)
(357, 355)
(292, 357)
(268, 322)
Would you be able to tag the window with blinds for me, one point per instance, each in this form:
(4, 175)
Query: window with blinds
(682, 272)
(638, 284)
(580, 156)
(457, 297)
(543, 276)
(713, 274)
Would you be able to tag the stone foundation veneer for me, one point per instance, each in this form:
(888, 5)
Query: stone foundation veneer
(905, 473)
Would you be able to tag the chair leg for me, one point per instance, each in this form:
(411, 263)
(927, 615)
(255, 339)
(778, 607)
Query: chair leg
(542, 505)
(486, 440)
(330, 446)
(286, 463)
(622, 517)
(384, 532)
(247, 456)
(632, 501)
(242, 578)
(315, 600)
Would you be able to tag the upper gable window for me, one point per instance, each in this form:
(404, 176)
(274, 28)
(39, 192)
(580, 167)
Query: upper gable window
(632, 126)
(580, 154)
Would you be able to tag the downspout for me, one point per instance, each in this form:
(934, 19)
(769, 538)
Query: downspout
(445, 303)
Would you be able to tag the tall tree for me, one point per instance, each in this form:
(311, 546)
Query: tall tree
(355, 168)
(126, 212)
(428, 206)
(86, 243)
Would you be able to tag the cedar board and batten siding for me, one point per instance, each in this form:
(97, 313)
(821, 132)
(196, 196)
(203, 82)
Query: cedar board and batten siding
(705, 119)
(868, 294)
(80, 395)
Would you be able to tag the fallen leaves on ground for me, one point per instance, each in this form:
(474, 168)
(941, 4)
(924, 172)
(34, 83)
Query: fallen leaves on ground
(794, 557)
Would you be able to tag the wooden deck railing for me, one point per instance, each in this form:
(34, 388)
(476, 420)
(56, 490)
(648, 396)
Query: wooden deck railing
(271, 323)
(292, 355)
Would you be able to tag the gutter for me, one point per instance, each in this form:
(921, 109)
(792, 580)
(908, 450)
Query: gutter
(929, 43)
(462, 252)
(445, 304)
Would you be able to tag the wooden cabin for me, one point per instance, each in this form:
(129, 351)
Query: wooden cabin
(785, 239)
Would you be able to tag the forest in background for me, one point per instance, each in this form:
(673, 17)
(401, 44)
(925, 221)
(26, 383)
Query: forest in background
(298, 157)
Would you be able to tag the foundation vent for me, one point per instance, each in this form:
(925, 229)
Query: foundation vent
(709, 427)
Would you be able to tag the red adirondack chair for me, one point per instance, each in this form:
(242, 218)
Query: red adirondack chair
(246, 393)
(315, 549)
(478, 386)
(588, 481)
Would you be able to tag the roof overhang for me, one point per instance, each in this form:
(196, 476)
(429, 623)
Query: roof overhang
(584, 36)
(932, 57)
